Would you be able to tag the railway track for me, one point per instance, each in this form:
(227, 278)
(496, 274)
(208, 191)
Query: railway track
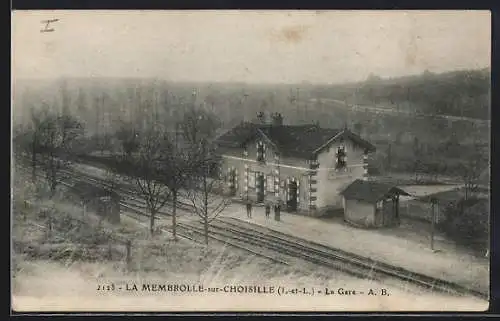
(285, 248)
(132, 199)
(338, 259)
(135, 211)
(197, 235)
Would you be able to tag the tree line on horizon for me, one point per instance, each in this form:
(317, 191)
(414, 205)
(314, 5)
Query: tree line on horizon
(104, 108)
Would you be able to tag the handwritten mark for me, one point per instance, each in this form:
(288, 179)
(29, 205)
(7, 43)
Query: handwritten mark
(47, 23)
(290, 35)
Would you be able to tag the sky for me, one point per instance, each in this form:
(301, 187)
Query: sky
(248, 46)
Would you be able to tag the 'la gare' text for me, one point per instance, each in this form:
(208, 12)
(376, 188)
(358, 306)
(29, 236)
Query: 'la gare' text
(342, 291)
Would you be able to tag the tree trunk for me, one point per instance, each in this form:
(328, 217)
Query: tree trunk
(174, 213)
(33, 162)
(205, 226)
(52, 175)
(152, 222)
(205, 205)
(53, 184)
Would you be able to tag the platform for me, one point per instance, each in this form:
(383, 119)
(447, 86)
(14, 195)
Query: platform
(447, 263)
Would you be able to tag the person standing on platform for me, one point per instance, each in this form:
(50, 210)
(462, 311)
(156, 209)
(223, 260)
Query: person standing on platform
(249, 209)
(277, 208)
(268, 210)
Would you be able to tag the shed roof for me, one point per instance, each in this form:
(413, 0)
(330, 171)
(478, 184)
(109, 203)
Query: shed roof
(291, 140)
(370, 191)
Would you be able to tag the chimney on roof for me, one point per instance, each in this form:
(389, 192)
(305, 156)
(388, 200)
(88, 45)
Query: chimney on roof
(261, 117)
(277, 119)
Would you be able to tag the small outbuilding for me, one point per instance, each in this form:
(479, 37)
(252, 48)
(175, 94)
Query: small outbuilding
(371, 204)
(104, 202)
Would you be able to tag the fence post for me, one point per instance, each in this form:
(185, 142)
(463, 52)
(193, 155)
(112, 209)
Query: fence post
(129, 253)
(25, 210)
(433, 221)
(50, 225)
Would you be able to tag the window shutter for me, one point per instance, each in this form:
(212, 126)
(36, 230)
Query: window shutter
(265, 185)
(276, 183)
(298, 192)
(287, 189)
(270, 183)
(246, 178)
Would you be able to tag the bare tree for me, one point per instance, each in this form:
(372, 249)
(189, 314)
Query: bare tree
(56, 141)
(198, 126)
(176, 174)
(471, 168)
(147, 165)
(28, 137)
(128, 137)
(203, 193)
(417, 158)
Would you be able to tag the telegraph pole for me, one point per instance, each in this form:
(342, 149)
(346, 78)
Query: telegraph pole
(433, 223)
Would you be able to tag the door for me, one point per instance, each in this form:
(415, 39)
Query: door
(260, 188)
(232, 181)
(291, 203)
(388, 212)
(395, 201)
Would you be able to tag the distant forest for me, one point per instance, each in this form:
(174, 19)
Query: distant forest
(457, 93)
(104, 104)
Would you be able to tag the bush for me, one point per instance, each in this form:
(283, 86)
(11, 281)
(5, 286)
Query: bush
(467, 222)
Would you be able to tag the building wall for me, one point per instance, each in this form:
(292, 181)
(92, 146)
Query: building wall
(386, 215)
(319, 184)
(242, 160)
(330, 182)
(359, 213)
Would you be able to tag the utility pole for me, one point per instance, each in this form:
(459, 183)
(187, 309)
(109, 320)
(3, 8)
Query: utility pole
(433, 223)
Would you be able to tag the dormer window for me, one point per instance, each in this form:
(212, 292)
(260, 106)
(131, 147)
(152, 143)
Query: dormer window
(260, 152)
(341, 158)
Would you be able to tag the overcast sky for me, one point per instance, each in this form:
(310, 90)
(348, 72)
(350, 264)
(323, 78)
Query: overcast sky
(249, 46)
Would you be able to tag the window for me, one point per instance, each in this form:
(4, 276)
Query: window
(251, 180)
(341, 158)
(260, 152)
(270, 183)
